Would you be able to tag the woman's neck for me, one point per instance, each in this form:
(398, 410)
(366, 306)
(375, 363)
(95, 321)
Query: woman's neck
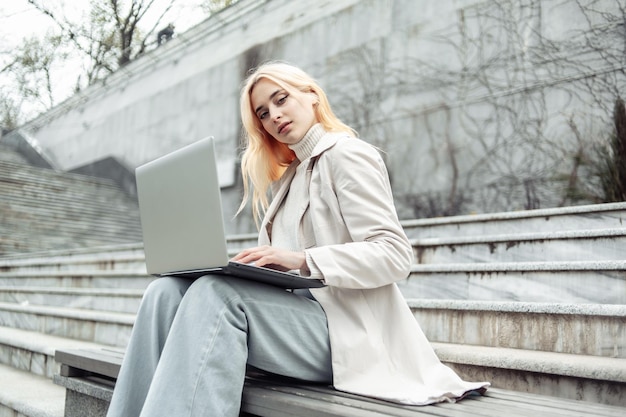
(304, 148)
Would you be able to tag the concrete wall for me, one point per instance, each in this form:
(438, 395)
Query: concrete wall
(479, 106)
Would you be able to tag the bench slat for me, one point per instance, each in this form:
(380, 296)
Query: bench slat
(326, 401)
(330, 395)
(257, 401)
(282, 397)
(100, 362)
(583, 408)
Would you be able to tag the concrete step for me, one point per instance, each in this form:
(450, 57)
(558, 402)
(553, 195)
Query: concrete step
(107, 328)
(69, 254)
(38, 239)
(88, 278)
(93, 224)
(9, 154)
(120, 257)
(33, 352)
(577, 377)
(532, 282)
(60, 206)
(42, 209)
(599, 282)
(121, 300)
(586, 329)
(13, 172)
(23, 242)
(580, 329)
(589, 329)
(87, 197)
(15, 217)
(570, 245)
(598, 378)
(596, 216)
(23, 394)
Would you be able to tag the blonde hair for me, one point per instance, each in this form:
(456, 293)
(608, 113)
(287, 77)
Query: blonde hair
(265, 159)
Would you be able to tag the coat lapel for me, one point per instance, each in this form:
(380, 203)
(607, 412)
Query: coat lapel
(280, 190)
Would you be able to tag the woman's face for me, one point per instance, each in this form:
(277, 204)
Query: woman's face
(285, 115)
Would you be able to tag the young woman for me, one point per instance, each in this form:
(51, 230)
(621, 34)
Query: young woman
(331, 217)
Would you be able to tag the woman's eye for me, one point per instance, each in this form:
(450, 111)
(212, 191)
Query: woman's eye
(282, 99)
(262, 115)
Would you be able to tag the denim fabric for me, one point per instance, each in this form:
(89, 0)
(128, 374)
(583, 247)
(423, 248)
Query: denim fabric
(193, 340)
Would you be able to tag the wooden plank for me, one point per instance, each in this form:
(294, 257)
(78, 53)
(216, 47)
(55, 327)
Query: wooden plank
(284, 397)
(327, 397)
(523, 408)
(301, 403)
(488, 406)
(483, 406)
(585, 408)
(99, 362)
(260, 402)
(447, 409)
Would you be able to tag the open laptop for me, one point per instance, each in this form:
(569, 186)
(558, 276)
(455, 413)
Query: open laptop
(180, 207)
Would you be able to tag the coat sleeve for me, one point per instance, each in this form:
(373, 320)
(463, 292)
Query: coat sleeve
(360, 242)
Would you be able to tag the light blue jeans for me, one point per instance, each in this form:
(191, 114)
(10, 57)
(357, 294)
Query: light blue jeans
(192, 340)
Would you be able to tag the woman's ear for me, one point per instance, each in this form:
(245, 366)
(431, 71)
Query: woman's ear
(315, 97)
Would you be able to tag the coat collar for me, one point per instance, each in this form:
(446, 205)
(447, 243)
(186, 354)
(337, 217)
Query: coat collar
(280, 187)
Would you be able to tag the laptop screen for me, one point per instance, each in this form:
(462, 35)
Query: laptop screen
(181, 210)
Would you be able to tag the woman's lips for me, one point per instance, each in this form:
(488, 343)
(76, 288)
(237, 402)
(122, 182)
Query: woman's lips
(283, 126)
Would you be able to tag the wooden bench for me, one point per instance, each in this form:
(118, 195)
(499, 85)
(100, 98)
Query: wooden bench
(89, 377)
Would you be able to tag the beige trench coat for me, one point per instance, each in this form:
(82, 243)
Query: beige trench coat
(358, 246)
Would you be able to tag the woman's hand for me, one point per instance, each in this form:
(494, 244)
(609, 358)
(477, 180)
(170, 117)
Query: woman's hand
(271, 257)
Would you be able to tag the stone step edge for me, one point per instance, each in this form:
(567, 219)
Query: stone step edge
(117, 258)
(29, 394)
(133, 254)
(108, 222)
(522, 307)
(602, 310)
(57, 255)
(509, 239)
(69, 253)
(577, 366)
(37, 173)
(123, 252)
(581, 366)
(515, 238)
(515, 215)
(104, 292)
(41, 343)
(406, 223)
(93, 273)
(552, 363)
(547, 266)
(477, 267)
(127, 319)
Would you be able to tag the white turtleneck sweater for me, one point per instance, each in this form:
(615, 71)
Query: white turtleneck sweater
(285, 226)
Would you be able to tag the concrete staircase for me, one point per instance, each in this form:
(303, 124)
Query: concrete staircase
(533, 301)
(42, 210)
